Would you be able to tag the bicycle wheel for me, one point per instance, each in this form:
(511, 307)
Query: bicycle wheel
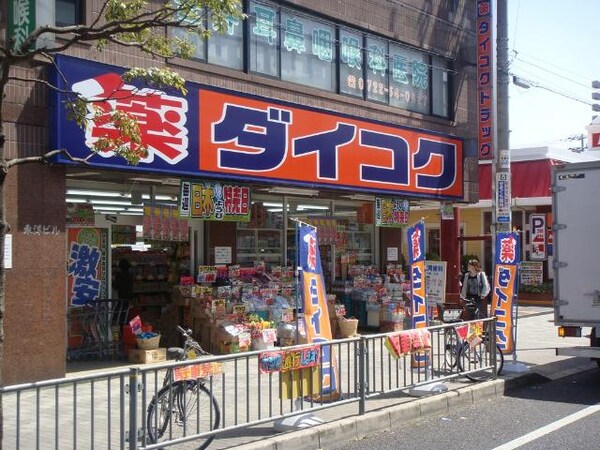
(183, 409)
(451, 347)
(477, 360)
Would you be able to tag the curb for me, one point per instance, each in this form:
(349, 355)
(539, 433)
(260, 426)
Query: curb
(328, 434)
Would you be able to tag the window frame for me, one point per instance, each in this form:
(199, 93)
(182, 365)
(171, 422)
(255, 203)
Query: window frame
(82, 13)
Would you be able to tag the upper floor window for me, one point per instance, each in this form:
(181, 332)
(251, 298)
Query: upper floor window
(227, 48)
(263, 28)
(440, 84)
(69, 12)
(294, 46)
(376, 58)
(351, 79)
(308, 52)
(409, 79)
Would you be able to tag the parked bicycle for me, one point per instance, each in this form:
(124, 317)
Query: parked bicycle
(474, 360)
(184, 406)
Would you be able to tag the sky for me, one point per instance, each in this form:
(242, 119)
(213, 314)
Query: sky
(556, 45)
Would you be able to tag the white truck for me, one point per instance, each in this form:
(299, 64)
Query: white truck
(576, 228)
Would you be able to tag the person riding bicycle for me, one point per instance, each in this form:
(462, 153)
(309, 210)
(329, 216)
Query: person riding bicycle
(475, 286)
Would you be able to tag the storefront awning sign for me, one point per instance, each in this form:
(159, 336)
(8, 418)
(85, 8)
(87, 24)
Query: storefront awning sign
(210, 200)
(248, 138)
(391, 212)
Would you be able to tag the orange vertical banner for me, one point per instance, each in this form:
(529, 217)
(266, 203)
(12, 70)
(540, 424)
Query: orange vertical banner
(316, 314)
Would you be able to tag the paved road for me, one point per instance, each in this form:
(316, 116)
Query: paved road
(557, 414)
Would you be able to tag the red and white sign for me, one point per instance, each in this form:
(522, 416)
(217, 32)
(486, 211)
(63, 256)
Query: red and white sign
(537, 236)
(593, 134)
(595, 141)
(161, 117)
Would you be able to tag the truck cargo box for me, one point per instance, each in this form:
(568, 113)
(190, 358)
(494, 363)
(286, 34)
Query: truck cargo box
(576, 227)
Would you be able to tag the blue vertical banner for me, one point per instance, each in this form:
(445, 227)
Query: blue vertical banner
(316, 314)
(416, 259)
(506, 274)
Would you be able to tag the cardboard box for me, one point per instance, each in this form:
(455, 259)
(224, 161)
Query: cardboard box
(197, 309)
(204, 331)
(139, 356)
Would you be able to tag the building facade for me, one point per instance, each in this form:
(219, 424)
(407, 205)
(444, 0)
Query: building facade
(401, 69)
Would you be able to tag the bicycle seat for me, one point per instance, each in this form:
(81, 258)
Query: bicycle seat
(176, 352)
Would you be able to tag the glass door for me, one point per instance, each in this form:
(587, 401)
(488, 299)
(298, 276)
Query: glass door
(314, 212)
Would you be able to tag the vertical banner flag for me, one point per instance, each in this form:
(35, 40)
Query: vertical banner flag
(505, 281)
(416, 259)
(316, 314)
(486, 69)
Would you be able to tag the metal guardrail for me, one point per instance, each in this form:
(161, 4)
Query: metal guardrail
(100, 410)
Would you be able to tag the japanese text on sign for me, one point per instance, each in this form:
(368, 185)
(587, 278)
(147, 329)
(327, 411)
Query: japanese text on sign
(316, 316)
(163, 223)
(537, 235)
(435, 279)
(285, 361)
(485, 78)
(531, 272)
(416, 242)
(415, 237)
(161, 117)
(391, 212)
(214, 201)
(255, 138)
(508, 257)
(87, 267)
(217, 133)
(21, 21)
(503, 211)
(196, 371)
(502, 305)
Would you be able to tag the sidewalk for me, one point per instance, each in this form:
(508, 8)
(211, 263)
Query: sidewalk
(537, 340)
(536, 343)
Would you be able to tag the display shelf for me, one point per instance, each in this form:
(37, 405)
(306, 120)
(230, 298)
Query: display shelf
(150, 287)
(254, 244)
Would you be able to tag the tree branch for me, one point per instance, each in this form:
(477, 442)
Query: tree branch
(45, 158)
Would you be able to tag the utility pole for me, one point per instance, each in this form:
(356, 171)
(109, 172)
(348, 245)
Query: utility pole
(502, 155)
(503, 76)
(501, 182)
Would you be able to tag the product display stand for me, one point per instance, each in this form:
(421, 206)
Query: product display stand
(300, 421)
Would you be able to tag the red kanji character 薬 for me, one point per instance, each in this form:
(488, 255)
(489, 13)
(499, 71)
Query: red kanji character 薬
(160, 117)
(508, 251)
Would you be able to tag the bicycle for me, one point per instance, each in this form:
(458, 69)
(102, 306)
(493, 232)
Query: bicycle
(184, 406)
(467, 357)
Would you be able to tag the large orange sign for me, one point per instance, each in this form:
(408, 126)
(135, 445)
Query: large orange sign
(255, 138)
